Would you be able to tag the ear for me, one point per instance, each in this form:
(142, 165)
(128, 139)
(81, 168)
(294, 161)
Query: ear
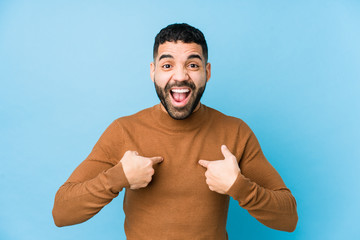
(208, 71)
(152, 71)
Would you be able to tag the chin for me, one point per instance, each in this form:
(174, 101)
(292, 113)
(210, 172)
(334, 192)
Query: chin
(179, 113)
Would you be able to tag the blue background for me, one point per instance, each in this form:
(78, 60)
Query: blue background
(290, 69)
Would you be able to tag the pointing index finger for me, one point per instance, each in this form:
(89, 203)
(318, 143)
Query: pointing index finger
(156, 160)
(204, 163)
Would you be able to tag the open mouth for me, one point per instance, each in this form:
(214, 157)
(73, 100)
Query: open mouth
(180, 96)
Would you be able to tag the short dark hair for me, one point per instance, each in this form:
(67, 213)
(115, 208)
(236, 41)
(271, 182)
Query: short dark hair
(180, 32)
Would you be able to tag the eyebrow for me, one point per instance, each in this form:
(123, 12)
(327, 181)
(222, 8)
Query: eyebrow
(165, 56)
(189, 57)
(195, 56)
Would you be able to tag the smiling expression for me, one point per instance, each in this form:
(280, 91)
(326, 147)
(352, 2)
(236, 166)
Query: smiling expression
(180, 74)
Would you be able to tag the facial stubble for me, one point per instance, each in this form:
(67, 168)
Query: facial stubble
(182, 112)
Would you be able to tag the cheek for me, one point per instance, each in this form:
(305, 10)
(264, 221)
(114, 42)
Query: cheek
(161, 78)
(198, 78)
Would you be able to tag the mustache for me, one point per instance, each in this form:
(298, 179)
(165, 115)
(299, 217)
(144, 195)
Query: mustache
(189, 84)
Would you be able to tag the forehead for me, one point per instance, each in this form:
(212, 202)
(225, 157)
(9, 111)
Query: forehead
(179, 49)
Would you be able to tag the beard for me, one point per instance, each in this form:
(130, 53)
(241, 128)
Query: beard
(179, 113)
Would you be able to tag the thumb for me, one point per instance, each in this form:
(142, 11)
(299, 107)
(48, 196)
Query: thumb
(156, 160)
(204, 163)
(226, 152)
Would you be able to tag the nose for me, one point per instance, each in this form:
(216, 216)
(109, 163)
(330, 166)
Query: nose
(180, 74)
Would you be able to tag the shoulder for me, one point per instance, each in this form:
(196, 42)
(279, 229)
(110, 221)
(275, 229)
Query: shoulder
(136, 118)
(229, 123)
(220, 117)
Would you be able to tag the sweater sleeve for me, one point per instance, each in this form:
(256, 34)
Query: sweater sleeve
(260, 189)
(94, 183)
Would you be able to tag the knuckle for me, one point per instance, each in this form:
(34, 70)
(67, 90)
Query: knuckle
(129, 153)
(147, 162)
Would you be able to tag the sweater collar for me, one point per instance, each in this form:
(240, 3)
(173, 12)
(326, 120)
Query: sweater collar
(163, 119)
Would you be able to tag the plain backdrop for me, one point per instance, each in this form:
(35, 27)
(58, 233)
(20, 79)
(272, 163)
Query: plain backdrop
(289, 69)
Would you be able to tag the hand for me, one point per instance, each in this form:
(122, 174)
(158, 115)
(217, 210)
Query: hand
(221, 174)
(138, 170)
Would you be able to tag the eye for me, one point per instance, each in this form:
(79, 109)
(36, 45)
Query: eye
(166, 66)
(193, 65)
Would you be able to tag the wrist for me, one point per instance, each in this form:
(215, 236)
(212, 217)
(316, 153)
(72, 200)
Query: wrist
(116, 178)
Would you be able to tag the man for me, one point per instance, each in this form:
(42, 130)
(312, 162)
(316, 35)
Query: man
(179, 161)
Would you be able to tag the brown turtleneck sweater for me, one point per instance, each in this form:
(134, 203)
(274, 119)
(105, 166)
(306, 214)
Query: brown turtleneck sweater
(177, 203)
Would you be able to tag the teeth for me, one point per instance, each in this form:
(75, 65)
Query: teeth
(182, 90)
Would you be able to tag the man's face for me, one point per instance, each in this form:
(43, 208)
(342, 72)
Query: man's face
(180, 74)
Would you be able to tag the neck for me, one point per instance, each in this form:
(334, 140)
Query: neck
(165, 122)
